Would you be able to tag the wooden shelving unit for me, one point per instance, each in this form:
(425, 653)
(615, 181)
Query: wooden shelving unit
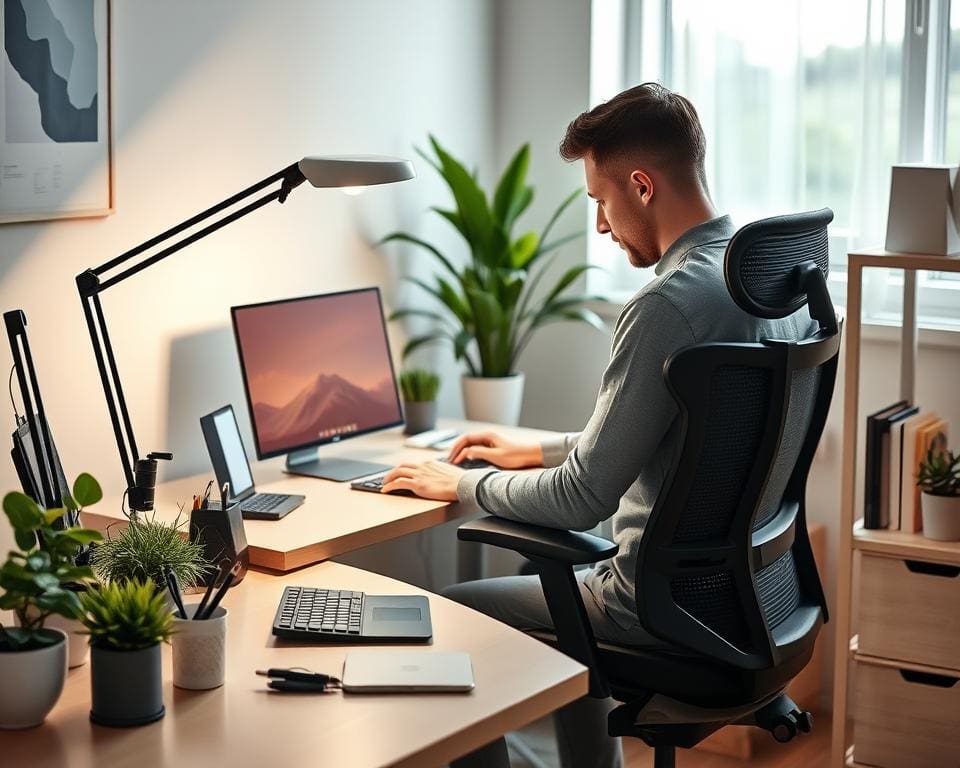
(853, 538)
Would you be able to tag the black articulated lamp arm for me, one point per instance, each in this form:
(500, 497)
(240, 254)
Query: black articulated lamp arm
(140, 473)
(16, 323)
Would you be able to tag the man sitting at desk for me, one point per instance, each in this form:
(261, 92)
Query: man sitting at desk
(643, 155)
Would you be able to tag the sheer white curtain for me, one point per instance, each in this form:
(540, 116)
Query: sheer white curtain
(799, 100)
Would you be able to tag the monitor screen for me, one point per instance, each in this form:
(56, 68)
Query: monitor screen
(316, 369)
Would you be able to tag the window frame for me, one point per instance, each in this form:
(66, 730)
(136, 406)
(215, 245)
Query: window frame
(923, 132)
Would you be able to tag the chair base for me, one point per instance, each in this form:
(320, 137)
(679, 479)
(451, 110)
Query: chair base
(666, 724)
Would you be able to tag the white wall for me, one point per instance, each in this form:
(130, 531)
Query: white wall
(209, 98)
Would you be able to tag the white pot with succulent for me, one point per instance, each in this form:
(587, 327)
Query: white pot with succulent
(34, 583)
(494, 303)
(939, 481)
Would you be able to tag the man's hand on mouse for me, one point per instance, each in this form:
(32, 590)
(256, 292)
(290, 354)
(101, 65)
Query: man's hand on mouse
(497, 449)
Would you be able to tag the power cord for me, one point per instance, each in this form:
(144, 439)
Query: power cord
(20, 419)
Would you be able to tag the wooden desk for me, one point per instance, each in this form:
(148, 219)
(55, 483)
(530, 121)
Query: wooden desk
(333, 519)
(518, 680)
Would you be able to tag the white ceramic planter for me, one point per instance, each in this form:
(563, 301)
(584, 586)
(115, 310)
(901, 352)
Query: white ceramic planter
(78, 644)
(941, 517)
(31, 682)
(496, 400)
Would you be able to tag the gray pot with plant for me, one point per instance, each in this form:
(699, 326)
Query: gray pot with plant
(939, 481)
(494, 303)
(146, 549)
(34, 581)
(419, 388)
(126, 623)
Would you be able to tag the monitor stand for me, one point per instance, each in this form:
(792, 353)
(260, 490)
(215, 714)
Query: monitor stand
(308, 462)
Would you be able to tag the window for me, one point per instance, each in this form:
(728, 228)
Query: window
(801, 104)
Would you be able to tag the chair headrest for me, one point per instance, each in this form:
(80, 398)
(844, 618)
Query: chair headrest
(760, 266)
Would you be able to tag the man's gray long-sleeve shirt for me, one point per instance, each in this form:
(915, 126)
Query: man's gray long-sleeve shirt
(617, 465)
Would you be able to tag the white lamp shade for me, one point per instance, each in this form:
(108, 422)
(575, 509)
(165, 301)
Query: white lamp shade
(924, 212)
(355, 170)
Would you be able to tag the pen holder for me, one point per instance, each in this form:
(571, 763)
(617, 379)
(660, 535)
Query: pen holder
(199, 650)
(222, 537)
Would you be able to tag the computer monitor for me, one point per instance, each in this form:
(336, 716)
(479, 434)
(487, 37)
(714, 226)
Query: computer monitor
(317, 370)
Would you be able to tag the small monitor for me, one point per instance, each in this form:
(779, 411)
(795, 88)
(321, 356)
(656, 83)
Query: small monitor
(222, 435)
(317, 370)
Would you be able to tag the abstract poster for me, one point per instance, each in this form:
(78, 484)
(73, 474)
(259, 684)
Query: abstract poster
(55, 154)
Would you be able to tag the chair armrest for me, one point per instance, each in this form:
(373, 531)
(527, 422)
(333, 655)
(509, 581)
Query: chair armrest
(554, 553)
(568, 547)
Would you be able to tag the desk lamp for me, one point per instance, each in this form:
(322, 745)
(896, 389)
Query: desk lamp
(333, 171)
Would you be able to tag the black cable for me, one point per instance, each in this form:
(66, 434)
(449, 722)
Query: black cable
(13, 402)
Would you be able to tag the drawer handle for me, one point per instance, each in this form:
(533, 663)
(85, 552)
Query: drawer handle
(933, 569)
(928, 678)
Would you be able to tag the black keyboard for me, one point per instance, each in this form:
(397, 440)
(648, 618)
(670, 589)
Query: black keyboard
(375, 484)
(307, 613)
(263, 502)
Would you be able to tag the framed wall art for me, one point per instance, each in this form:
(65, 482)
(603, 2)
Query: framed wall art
(56, 147)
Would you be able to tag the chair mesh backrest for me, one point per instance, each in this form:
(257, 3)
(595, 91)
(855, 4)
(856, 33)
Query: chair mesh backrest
(739, 401)
(737, 418)
(725, 561)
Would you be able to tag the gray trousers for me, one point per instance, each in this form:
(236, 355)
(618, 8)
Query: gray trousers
(581, 726)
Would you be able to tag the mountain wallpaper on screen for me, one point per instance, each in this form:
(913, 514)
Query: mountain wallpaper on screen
(330, 404)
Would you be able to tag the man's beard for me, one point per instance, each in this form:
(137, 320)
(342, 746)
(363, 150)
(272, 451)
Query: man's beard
(643, 251)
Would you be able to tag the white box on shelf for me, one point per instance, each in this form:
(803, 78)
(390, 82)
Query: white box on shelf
(924, 215)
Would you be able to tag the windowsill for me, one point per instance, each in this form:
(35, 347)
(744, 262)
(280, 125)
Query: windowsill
(934, 335)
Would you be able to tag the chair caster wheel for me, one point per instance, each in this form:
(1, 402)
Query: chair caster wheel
(805, 722)
(786, 728)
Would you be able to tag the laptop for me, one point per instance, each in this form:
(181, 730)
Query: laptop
(229, 459)
(407, 672)
(318, 615)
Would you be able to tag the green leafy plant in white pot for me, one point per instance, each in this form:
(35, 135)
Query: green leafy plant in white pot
(492, 305)
(939, 481)
(38, 582)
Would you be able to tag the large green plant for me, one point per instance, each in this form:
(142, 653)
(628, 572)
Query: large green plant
(34, 579)
(495, 302)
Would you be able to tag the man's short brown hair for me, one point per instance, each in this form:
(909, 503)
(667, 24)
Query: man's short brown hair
(647, 120)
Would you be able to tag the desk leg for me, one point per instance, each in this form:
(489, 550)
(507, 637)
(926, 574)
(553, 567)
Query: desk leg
(493, 755)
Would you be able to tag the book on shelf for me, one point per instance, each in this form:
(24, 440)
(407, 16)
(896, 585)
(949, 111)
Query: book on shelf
(890, 474)
(902, 433)
(909, 464)
(878, 424)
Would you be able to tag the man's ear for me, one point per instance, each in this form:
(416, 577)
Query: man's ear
(642, 184)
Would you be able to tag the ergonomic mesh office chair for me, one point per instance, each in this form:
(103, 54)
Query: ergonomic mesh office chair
(726, 577)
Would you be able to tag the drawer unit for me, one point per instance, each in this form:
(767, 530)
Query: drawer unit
(910, 610)
(904, 718)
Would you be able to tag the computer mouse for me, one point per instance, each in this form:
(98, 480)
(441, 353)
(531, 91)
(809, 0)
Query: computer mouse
(471, 463)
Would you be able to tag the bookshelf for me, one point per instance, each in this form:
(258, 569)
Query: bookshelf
(855, 541)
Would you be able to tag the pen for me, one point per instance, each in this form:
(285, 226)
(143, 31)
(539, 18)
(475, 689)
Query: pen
(224, 495)
(293, 675)
(174, 588)
(207, 594)
(227, 581)
(206, 495)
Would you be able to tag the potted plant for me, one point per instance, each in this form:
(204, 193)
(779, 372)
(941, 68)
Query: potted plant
(126, 622)
(496, 301)
(145, 550)
(419, 388)
(34, 582)
(939, 481)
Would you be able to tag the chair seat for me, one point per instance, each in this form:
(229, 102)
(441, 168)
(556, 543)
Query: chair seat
(634, 672)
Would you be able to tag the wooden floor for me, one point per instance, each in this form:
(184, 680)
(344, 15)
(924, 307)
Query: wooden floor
(808, 751)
